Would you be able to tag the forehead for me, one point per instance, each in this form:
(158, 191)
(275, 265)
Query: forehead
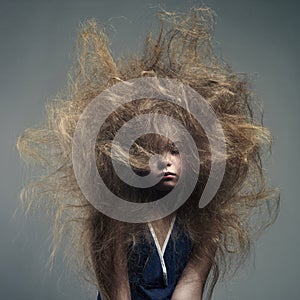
(156, 142)
(149, 115)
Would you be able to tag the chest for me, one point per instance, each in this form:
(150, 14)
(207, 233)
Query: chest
(156, 264)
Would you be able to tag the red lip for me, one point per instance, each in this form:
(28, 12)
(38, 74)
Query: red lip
(169, 175)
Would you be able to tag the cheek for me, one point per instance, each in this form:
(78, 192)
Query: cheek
(178, 165)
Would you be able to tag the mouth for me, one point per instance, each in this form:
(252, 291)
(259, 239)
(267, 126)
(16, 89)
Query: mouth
(169, 175)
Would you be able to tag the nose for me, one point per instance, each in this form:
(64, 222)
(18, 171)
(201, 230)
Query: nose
(165, 162)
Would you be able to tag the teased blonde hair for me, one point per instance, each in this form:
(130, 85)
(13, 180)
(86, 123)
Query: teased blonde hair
(182, 50)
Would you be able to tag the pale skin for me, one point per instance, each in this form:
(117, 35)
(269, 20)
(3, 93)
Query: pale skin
(192, 281)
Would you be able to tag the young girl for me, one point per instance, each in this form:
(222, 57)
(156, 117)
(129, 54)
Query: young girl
(171, 256)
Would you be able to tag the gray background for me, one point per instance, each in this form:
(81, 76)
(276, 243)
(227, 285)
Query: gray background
(37, 37)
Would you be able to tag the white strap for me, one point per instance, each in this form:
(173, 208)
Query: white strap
(161, 251)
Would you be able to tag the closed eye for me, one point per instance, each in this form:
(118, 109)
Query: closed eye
(174, 151)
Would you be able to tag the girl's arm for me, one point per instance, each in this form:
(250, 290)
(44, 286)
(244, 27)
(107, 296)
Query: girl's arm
(119, 287)
(190, 285)
(122, 285)
(121, 282)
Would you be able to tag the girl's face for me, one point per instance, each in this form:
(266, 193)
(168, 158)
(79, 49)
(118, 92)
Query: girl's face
(170, 168)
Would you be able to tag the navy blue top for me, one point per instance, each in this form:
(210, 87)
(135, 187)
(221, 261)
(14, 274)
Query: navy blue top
(145, 269)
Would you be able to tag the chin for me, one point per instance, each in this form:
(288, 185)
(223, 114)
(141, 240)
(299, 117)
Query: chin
(168, 188)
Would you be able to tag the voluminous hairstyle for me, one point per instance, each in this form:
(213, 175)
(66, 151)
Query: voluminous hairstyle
(182, 50)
